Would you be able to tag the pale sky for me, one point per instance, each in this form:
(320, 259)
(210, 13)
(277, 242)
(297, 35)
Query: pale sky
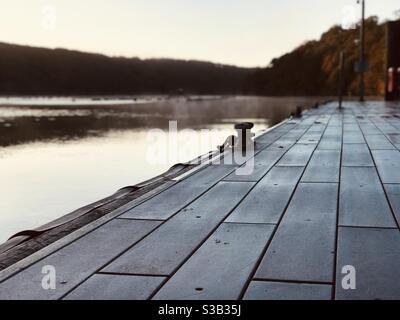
(240, 32)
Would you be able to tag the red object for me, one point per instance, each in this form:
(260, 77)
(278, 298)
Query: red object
(398, 77)
(392, 80)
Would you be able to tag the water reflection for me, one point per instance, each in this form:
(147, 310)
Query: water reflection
(56, 159)
(36, 123)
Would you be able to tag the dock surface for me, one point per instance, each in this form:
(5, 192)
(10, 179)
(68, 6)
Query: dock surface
(323, 201)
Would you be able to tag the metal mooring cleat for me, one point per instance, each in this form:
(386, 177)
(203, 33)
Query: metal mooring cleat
(244, 135)
(242, 140)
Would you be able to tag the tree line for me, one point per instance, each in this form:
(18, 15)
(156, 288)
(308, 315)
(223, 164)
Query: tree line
(310, 69)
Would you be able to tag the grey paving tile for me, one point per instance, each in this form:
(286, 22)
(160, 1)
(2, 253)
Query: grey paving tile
(236, 159)
(268, 200)
(387, 128)
(323, 122)
(356, 155)
(333, 130)
(309, 120)
(283, 144)
(349, 120)
(370, 129)
(394, 138)
(310, 137)
(335, 122)
(323, 167)
(395, 122)
(319, 126)
(388, 165)
(298, 155)
(287, 126)
(378, 142)
(167, 247)
(330, 142)
(362, 199)
(270, 137)
(221, 267)
(262, 163)
(116, 287)
(353, 137)
(304, 244)
(375, 255)
(77, 261)
(393, 193)
(260, 290)
(295, 134)
(167, 203)
(351, 126)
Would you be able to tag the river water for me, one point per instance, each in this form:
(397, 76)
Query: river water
(59, 154)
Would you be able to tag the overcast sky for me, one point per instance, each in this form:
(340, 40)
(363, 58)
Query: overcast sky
(241, 32)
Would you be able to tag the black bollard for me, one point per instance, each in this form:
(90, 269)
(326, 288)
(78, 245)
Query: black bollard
(244, 135)
(299, 111)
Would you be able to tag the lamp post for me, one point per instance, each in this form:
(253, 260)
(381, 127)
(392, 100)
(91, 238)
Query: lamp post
(341, 78)
(362, 66)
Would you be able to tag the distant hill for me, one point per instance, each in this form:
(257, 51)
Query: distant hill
(37, 71)
(312, 68)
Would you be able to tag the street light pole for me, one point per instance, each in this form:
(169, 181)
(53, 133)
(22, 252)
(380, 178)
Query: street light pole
(341, 78)
(362, 66)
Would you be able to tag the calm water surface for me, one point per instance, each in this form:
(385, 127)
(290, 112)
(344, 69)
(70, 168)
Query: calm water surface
(57, 155)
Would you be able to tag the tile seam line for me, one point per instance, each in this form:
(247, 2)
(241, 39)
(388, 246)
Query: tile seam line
(266, 247)
(130, 274)
(335, 261)
(286, 281)
(367, 228)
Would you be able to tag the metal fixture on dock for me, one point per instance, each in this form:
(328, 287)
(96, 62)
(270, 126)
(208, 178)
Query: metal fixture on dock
(362, 67)
(341, 77)
(244, 135)
(299, 112)
(242, 140)
(229, 143)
